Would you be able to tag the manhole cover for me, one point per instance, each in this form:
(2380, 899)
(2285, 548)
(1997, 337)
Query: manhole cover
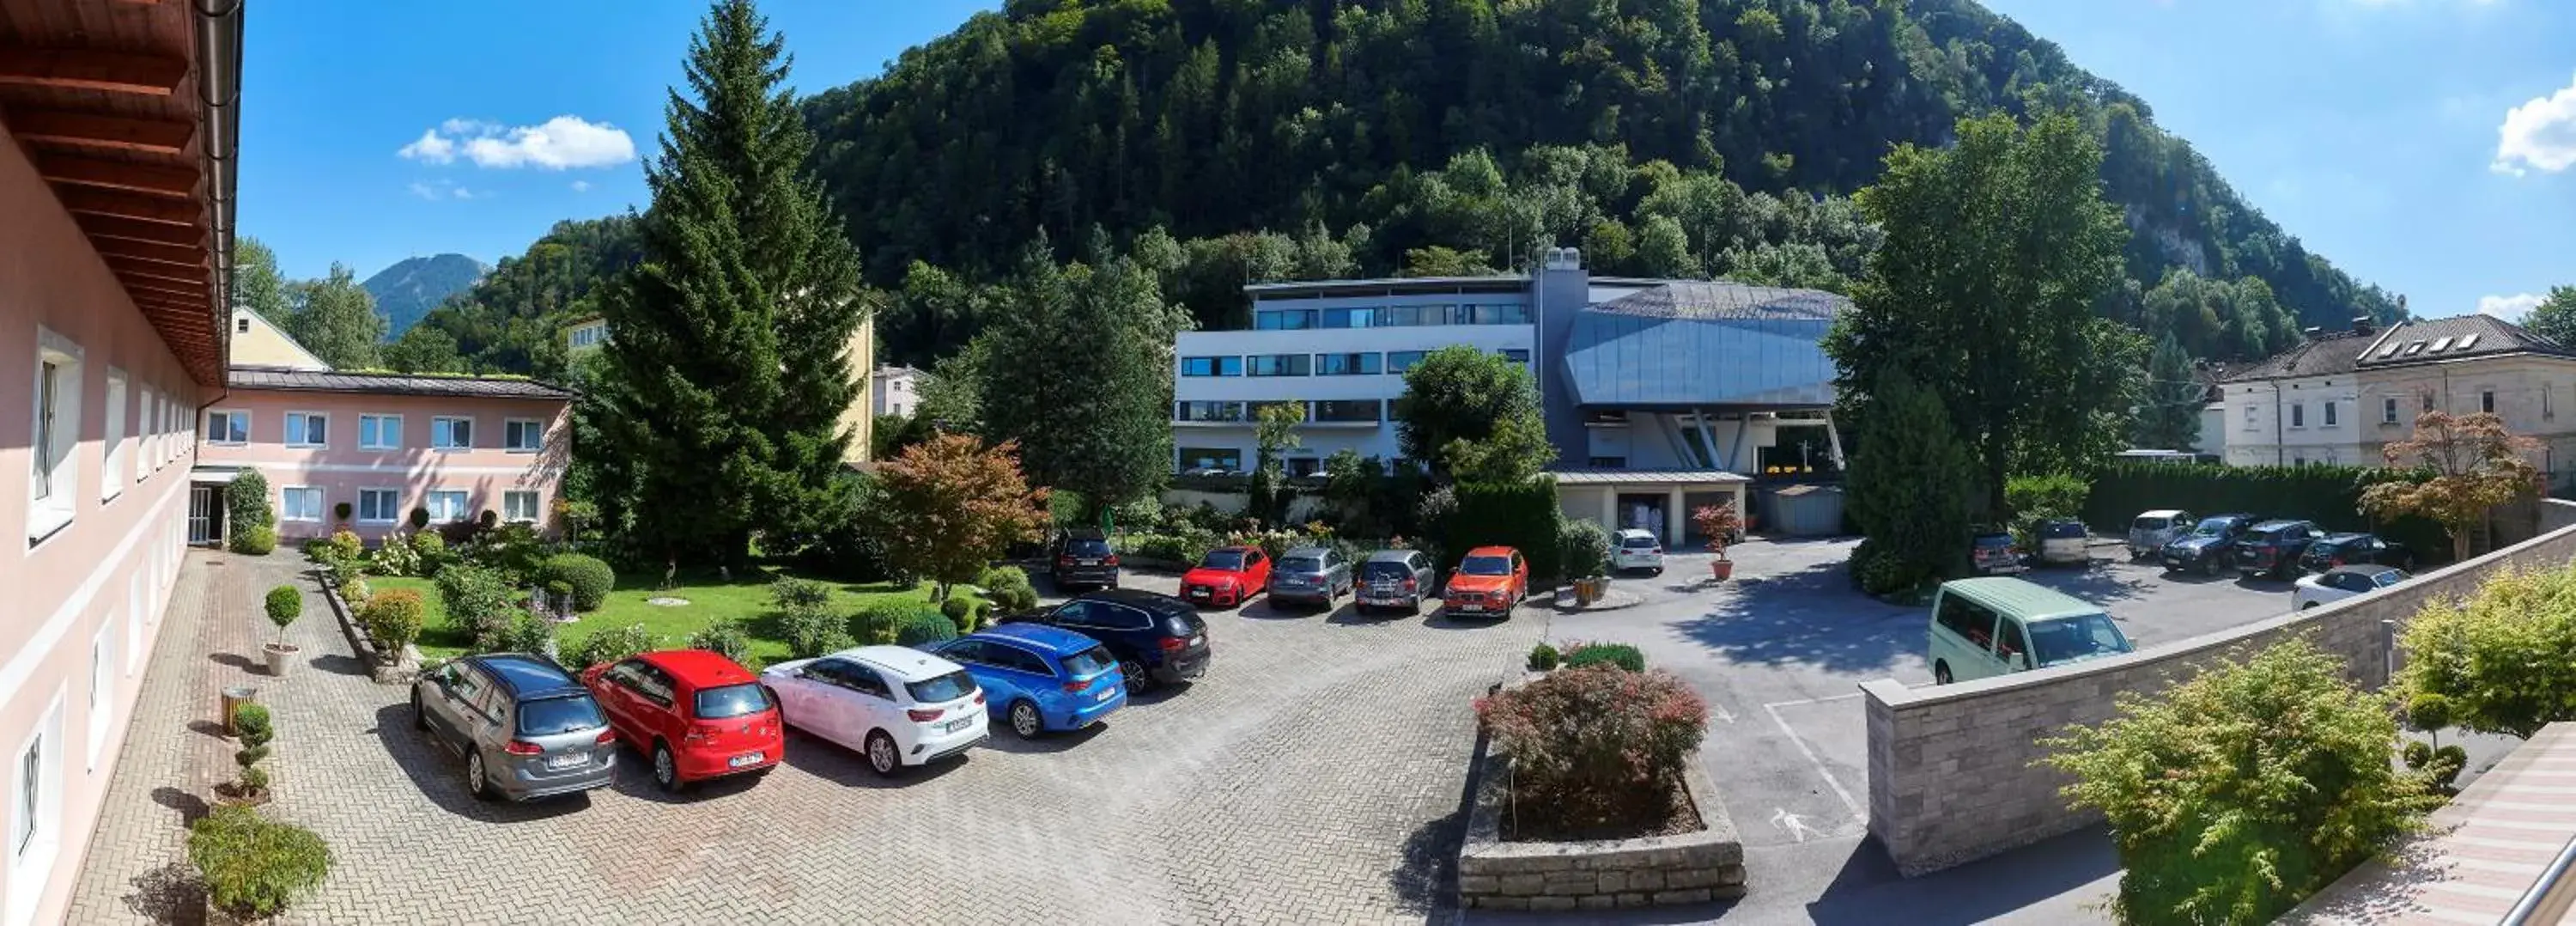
(666, 601)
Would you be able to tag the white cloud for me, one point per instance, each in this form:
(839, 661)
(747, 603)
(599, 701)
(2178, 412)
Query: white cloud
(581, 186)
(463, 193)
(2510, 308)
(423, 190)
(560, 143)
(435, 190)
(2540, 133)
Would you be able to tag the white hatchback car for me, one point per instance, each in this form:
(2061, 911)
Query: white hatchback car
(1636, 549)
(895, 705)
(2343, 582)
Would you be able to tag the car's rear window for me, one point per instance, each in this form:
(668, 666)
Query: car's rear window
(1638, 543)
(1087, 662)
(2386, 579)
(1184, 625)
(1385, 570)
(1081, 547)
(549, 716)
(1994, 540)
(2062, 529)
(1300, 564)
(2211, 527)
(949, 687)
(731, 701)
(1223, 559)
(1486, 566)
(2148, 524)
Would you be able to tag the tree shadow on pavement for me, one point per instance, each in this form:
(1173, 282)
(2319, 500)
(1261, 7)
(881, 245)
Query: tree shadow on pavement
(171, 893)
(2096, 584)
(1869, 890)
(1812, 616)
(439, 774)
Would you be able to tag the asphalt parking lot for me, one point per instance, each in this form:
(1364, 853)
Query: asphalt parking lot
(1780, 652)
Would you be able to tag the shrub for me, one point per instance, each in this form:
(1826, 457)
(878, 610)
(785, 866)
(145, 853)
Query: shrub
(419, 519)
(477, 599)
(246, 502)
(877, 621)
(1879, 573)
(345, 544)
(1520, 515)
(1543, 657)
(921, 629)
(397, 556)
(590, 578)
(960, 613)
(255, 540)
(812, 630)
(2236, 794)
(611, 645)
(1009, 588)
(354, 591)
(1582, 547)
(792, 593)
(392, 620)
(253, 726)
(2502, 660)
(254, 868)
(1596, 744)
(725, 636)
(340, 512)
(516, 550)
(431, 550)
(284, 604)
(1594, 654)
(488, 519)
(527, 633)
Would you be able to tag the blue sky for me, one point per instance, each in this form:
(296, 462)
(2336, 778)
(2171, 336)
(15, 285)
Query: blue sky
(2375, 130)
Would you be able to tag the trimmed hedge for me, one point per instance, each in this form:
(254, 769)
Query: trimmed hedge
(1520, 515)
(2328, 495)
(924, 629)
(588, 576)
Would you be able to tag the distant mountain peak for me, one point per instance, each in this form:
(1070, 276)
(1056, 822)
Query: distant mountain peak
(409, 289)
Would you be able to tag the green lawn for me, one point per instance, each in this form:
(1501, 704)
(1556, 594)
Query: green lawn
(710, 599)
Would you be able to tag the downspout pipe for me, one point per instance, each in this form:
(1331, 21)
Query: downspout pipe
(219, 70)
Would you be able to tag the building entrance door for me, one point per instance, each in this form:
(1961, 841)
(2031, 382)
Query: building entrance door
(205, 515)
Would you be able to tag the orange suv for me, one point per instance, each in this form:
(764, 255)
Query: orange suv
(1490, 581)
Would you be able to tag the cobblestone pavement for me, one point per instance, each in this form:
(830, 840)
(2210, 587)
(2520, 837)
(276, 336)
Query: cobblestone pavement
(1312, 777)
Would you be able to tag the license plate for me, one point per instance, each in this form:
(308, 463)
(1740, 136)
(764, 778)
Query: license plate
(568, 760)
(1090, 562)
(1105, 694)
(1198, 593)
(957, 724)
(748, 758)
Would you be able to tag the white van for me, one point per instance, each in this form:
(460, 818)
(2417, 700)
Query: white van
(1993, 626)
(2153, 529)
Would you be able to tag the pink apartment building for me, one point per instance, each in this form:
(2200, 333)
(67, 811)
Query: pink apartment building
(117, 145)
(384, 445)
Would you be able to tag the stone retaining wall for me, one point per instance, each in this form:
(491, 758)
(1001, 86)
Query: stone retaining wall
(1651, 871)
(1951, 773)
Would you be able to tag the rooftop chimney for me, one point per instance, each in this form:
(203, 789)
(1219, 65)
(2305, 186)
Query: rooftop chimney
(2361, 324)
(2314, 333)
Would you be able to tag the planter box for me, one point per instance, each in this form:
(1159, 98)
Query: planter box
(1648, 871)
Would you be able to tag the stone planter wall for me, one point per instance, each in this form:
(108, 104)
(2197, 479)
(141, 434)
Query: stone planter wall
(1649, 871)
(396, 671)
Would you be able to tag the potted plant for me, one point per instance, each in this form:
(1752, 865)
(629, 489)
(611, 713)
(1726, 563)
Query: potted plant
(1583, 550)
(255, 727)
(1718, 522)
(253, 868)
(285, 604)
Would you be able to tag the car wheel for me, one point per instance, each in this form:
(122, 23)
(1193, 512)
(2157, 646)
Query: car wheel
(1025, 720)
(1134, 674)
(419, 718)
(881, 755)
(477, 783)
(666, 770)
(1940, 673)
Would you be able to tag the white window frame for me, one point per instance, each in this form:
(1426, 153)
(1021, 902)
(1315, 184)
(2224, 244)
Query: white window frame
(2388, 410)
(509, 501)
(35, 827)
(134, 604)
(321, 500)
(393, 507)
(102, 688)
(449, 422)
(2298, 414)
(464, 505)
(111, 467)
(230, 436)
(380, 421)
(536, 426)
(301, 437)
(2329, 420)
(52, 499)
(142, 455)
(2249, 417)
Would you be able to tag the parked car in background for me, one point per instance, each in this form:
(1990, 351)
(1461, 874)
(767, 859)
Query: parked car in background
(1396, 579)
(2210, 545)
(1311, 575)
(1636, 549)
(1158, 639)
(1988, 627)
(1082, 557)
(1040, 678)
(1993, 552)
(2272, 548)
(526, 727)
(2348, 549)
(2062, 541)
(1226, 576)
(2343, 582)
(2151, 530)
(1489, 581)
(896, 706)
(696, 714)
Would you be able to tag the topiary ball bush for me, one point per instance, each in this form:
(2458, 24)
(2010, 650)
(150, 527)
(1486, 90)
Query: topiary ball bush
(589, 576)
(1543, 657)
(256, 540)
(284, 604)
(1616, 654)
(924, 629)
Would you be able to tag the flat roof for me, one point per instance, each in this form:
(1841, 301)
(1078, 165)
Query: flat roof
(385, 383)
(1594, 477)
(1390, 286)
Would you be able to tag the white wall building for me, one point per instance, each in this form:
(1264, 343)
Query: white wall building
(895, 390)
(2300, 406)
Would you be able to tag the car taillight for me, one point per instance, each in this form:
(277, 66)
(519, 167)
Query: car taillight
(607, 736)
(924, 716)
(523, 748)
(979, 696)
(1174, 644)
(1658, 551)
(1110, 560)
(1408, 583)
(1065, 560)
(1076, 687)
(700, 733)
(2334, 561)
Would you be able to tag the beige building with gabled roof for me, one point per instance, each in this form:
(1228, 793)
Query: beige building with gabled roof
(259, 343)
(2469, 364)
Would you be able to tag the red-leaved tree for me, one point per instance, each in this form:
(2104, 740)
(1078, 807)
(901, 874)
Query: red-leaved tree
(956, 506)
(2477, 465)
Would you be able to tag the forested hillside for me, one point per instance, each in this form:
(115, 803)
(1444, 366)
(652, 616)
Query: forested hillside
(411, 287)
(511, 321)
(1692, 137)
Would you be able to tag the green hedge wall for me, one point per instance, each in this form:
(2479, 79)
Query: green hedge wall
(2328, 495)
(1521, 515)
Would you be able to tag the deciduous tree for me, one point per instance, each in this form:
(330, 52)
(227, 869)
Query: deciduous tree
(2169, 405)
(2502, 660)
(954, 505)
(424, 350)
(2555, 317)
(2477, 464)
(1460, 393)
(335, 319)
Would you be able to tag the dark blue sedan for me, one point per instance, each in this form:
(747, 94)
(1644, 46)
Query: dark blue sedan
(1040, 678)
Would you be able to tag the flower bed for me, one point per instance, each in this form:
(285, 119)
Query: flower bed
(1702, 864)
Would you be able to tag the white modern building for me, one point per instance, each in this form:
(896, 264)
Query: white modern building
(1659, 395)
(2297, 407)
(896, 390)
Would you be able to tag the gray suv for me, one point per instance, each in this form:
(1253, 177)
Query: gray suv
(527, 728)
(1315, 575)
(1399, 579)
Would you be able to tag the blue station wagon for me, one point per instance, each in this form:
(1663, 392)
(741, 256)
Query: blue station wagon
(1040, 678)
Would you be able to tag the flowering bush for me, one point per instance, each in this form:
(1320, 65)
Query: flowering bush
(1596, 742)
(397, 557)
(611, 645)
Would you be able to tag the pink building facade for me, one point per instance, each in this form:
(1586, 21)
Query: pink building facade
(113, 278)
(384, 445)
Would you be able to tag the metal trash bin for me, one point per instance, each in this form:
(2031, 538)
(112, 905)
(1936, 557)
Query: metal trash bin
(234, 698)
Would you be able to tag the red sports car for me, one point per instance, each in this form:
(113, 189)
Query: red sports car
(1227, 577)
(694, 714)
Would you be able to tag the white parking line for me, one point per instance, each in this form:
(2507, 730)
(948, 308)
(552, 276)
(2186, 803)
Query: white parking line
(1773, 709)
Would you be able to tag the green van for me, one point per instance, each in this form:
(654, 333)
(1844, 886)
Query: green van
(1992, 626)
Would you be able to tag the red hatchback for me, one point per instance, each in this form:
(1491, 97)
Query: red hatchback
(1228, 576)
(695, 714)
